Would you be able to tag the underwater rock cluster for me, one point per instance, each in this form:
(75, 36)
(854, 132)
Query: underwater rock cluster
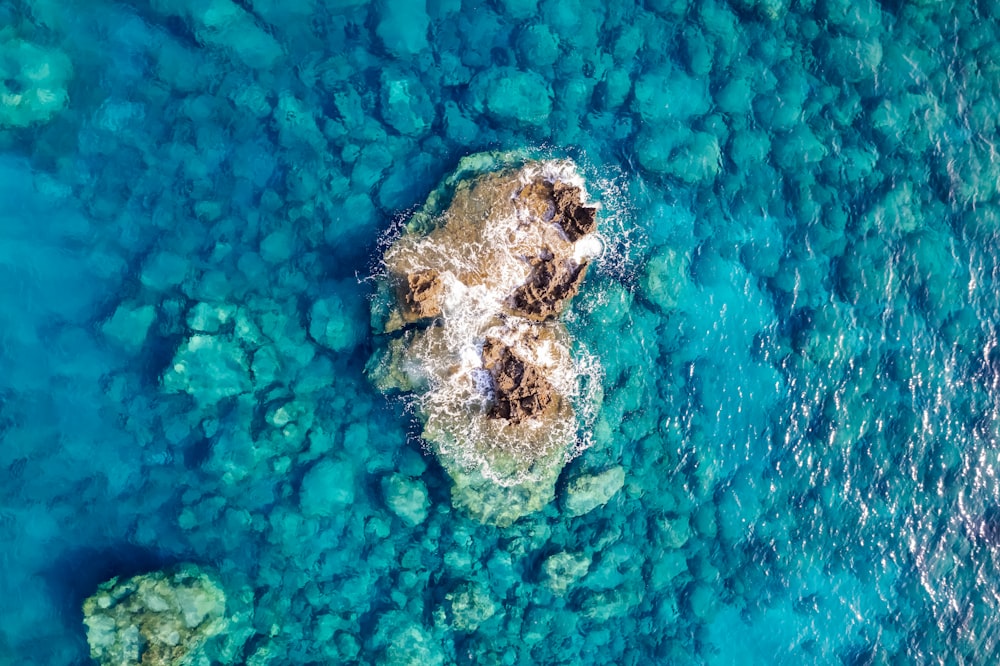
(32, 81)
(160, 619)
(474, 293)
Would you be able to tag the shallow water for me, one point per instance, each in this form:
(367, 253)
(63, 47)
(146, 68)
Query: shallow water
(797, 318)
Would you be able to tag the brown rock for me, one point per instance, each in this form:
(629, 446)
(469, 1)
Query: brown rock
(575, 219)
(551, 218)
(422, 295)
(553, 282)
(537, 198)
(555, 276)
(522, 391)
(492, 262)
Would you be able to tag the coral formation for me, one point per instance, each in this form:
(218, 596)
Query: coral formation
(477, 290)
(161, 619)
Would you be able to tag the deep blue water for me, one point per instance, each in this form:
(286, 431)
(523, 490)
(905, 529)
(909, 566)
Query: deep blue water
(797, 318)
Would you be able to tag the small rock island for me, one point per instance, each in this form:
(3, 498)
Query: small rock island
(471, 297)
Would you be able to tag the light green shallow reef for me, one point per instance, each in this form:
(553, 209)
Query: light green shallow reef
(792, 451)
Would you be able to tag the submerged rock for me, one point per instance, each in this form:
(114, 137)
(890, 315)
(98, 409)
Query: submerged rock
(400, 639)
(407, 498)
(161, 618)
(467, 607)
(210, 368)
(473, 290)
(562, 570)
(33, 81)
(510, 95)
(586, 493)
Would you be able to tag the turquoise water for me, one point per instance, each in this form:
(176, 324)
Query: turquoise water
(797, 318)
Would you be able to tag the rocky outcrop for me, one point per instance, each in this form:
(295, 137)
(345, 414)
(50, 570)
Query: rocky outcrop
(33, 81)
(523, 238)
(421, 295)
(471, 295)
(520, 389)
(550, 285)
(562, 204)
(576, 218)
(160, 619)
(555, 274)
(589, 491)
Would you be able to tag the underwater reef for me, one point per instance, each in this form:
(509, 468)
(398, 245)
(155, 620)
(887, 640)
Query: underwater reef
(165, 618)
(33, 80)
(474, 286)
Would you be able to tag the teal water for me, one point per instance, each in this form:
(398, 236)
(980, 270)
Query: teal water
(797, 318)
